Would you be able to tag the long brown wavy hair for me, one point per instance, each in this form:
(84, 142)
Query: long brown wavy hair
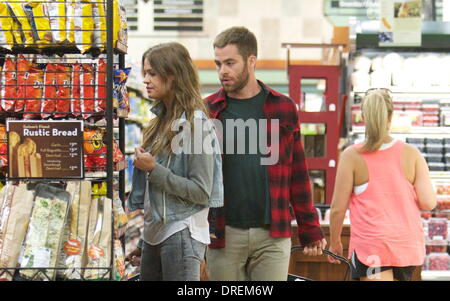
(172, 60)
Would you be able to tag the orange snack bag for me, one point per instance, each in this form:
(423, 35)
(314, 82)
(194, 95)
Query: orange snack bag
(88, 90)
(63, 91)
(33, 92)
(23, 66)
(75, 102)
(49, 101)
(101, 84)
(9, 84)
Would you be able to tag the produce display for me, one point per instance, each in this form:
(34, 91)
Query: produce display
(438, 262)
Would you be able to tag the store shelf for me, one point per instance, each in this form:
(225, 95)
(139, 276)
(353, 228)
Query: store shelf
(442, 131)
(435, 275)
(409, 90)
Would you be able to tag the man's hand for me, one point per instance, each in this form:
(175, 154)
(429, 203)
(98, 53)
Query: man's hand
(134, 257)
(143, 160)
(336, 248)
(315, 248)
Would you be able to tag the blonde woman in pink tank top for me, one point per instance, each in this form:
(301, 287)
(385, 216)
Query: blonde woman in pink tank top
(385, 183)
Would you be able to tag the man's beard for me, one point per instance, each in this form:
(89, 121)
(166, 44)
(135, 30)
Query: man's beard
(241, 81)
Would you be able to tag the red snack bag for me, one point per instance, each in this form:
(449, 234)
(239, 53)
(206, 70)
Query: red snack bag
(88, 90)
(49, 101)
(9, 84)
(33, 92)
(23, 66)
(3, 146)
(117, 153)
(63, 91)
(101, 83)
(75, 103)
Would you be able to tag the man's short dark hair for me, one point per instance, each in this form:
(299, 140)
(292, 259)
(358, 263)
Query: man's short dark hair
(244, 40)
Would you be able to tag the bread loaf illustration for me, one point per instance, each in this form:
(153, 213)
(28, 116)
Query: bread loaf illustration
(28, 162)
(14, 141)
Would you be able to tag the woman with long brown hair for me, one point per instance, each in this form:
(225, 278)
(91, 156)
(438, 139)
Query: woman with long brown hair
(385, 182)
(175, 180)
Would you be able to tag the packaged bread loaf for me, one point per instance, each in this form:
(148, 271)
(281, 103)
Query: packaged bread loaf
(99, 238)
(43, 239)
(74, 249)
(16, 228)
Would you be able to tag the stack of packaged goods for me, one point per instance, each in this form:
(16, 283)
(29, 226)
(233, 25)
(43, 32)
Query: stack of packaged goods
(69, 229)
(61, 25)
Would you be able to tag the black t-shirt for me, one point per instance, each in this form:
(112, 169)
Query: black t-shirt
(246, 184)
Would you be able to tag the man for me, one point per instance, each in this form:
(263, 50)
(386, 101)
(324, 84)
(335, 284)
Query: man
(252, 232)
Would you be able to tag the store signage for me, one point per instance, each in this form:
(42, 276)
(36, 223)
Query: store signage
(340, 10)
(45, 149)
(400, 23)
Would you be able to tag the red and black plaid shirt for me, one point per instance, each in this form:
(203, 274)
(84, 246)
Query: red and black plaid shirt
(288, 179)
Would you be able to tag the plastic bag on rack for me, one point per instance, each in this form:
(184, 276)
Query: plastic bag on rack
(120, 92)
(83, 20)
(120, 218)
(100, 238)
(70, 21)
(94, 149)
(5, 210)
(20, 16)
(49, 101)
(3, 146)
(75, 102)
(119, 261)
(34, 92)
(63, 92)
(88, 90)
(72, 254)
(120, 28)
(16, 228)
(6, 25)
(57, 17)
(23, 68)
(99, 12)
(100, 105)
(9, 84)
(44, 235)
(40, 23)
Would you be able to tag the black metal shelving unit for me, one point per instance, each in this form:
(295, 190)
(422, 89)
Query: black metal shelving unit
(114, 122)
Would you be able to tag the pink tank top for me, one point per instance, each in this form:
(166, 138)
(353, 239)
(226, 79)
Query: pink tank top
(386, 227)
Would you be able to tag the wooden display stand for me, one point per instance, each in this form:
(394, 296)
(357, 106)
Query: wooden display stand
(317, 267)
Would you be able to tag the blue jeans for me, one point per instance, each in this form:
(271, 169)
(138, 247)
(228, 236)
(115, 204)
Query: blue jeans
(176, 259)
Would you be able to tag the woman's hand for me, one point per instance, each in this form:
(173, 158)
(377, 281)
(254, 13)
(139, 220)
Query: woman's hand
(336, 248)
(143, 160)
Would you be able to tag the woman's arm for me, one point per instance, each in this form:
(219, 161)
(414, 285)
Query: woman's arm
(341, 196)
(424, 189)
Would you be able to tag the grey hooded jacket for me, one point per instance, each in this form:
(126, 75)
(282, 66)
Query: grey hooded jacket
(185, 182)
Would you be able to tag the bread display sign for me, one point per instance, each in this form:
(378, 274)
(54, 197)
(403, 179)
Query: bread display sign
(45, 149)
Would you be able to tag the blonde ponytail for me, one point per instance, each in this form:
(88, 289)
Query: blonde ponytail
(377, 109)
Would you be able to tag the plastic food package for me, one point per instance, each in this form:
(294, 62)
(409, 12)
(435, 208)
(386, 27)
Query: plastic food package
(33, 93)
(63, 92)
(18, 9)
(99, 239)
(436, 246)
(5, 210)
(49, 101)
(16, 227)
(120, 28)
(120, 219)
(23, 68)
(120, 92)
(40, 23)
(443, 202)
(75, 102)
(57, 18)
(9, 84)
(438, 262)
(83, 26)
(87, 80)
(94, 149)
(99, 12)
(101, 84)
(43, 240)
(6, 25)
(119, 261)
(75, 246)
(437, 228)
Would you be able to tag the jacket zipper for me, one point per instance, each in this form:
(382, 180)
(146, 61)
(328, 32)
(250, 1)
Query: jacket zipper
(164, 196)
